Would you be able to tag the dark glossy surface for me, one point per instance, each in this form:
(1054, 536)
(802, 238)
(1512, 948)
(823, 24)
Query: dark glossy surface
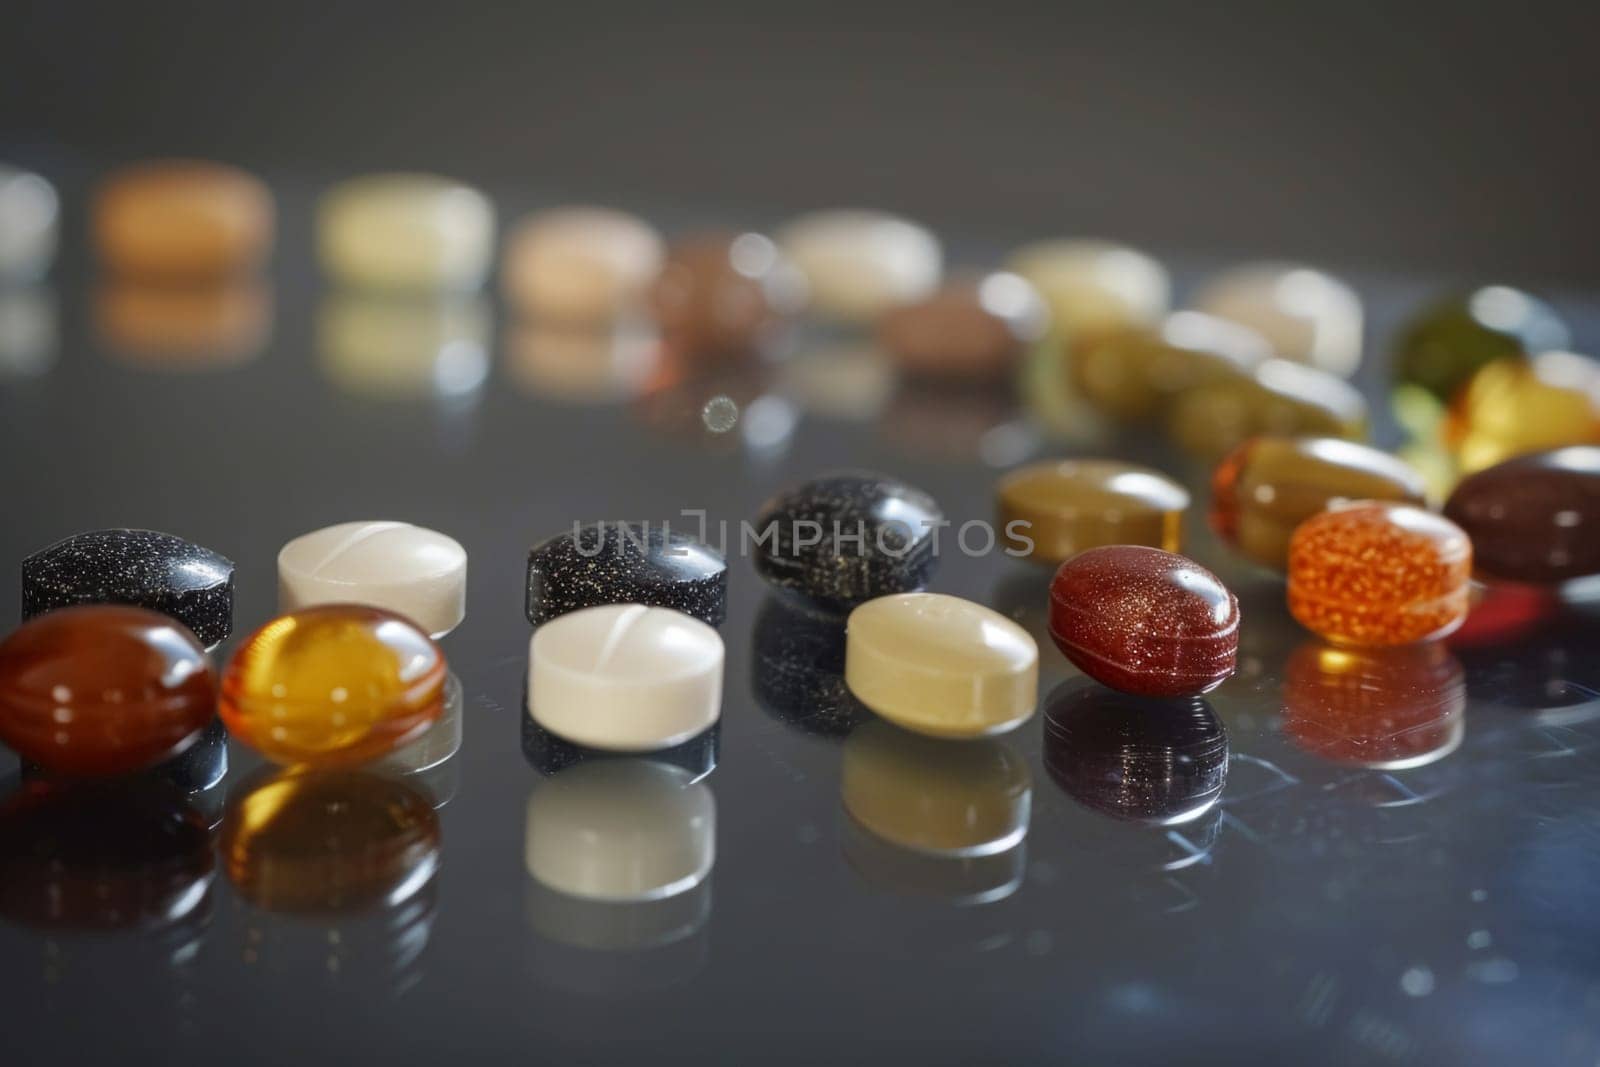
(102, 689)
(615, 562)
(139, 567)
(1145, 621)
(1278, 926)
(845, 538)
(1534, 518)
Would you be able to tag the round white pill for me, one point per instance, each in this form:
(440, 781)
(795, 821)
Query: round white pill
(625, 677)
(407, 569)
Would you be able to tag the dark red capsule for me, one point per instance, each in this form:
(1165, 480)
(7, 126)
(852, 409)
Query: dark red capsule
(1535, 518)
(1145, 621)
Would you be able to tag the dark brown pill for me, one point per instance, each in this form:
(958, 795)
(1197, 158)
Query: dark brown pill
(1535, 518)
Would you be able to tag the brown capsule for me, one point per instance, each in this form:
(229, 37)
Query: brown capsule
(1535, 518)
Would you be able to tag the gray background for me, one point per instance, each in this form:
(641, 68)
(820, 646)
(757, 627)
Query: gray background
(1452, 137)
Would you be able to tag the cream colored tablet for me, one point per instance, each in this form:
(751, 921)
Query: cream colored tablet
(621, 830)
(1095, 287)
(406, 231)
(860, 264)
(625, 677)
(402, 568)
(941, 665)
(30, 219)
(1307, 316)
(581, 264)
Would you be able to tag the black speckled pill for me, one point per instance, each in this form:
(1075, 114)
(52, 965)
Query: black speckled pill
(143, 568)
(846, 538)
(626, 563)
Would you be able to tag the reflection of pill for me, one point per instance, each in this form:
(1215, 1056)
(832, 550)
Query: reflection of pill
(859, 264)
(621, 829)
(941, 665)
(581, 264)
(936, 796)
(405, 231)
(183, 219)
(379, 345)
(396, 566)
(30, 214)
(625, 677)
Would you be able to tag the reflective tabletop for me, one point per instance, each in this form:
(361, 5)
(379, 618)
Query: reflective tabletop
(1335, 857)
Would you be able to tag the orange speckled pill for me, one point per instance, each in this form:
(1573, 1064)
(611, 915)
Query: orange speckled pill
(1374, 573)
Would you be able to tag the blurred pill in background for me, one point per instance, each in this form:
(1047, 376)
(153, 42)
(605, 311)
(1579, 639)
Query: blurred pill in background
(406, 232)
(859, 264)
(726, 293)
(198, 326)
(1137, 372)
(969, 328)
(1307, 316)
(182, 220)
(30, 218)
(1094, 287)
(581, 264)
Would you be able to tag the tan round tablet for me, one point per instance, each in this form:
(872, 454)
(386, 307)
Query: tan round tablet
(625, 677)
(941, 665)
(1305, 315)
(1071, 505)
(186, 219)
(621, 830)
(396, 566)
(859, 264)
(406, 231)
(30, 221)
(581, 264)
(1095, 287)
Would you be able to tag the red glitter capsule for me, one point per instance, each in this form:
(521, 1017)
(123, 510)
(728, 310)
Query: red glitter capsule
(1145, 621)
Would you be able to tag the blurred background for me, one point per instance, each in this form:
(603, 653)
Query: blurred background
(1451, 139)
